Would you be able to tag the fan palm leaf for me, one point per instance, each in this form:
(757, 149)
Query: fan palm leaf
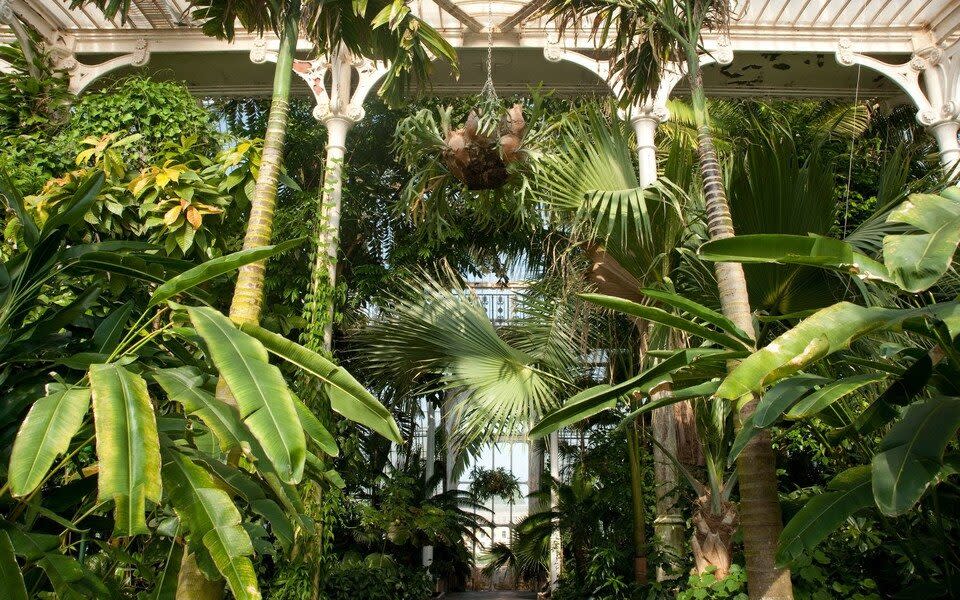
(437, 327)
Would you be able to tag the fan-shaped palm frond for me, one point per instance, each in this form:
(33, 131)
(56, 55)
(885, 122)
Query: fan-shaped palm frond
(774, 189)
(438, 327)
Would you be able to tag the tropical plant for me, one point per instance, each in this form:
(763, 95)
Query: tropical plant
(488, 164)
(156, 441)
(915, 404)
(648, 37)
(494, 483)
(435, 335)
(181, 200)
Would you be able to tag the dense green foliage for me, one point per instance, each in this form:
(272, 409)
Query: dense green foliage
(123, 210)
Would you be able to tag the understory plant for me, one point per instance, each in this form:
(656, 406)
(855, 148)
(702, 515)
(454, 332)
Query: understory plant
(183, 201)
(125, 474)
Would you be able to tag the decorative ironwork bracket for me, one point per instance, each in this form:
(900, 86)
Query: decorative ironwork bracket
(81, 74)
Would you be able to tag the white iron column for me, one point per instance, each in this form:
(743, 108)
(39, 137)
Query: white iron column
(430, 459)
(941, 81)
(338, 107)
(328, 240)
(945, 133)
(645, 121)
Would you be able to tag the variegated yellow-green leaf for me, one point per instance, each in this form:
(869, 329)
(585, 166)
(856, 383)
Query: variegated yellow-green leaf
(822, 333)
(266, 405)
(212, 523)
(128, 449)
(46, 432)
(347, 396)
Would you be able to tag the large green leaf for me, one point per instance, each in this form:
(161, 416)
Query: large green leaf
(700, 311)
(662, 317)
(216, 267)
(830, 393)
(911, 454)
(110, 331)
(46, 432)
(782, 396)
(212, 522)
(707, 388)
(315, 429)
(810, 250)
(10, 577)
(31, 235)
(347, 396)
(847, 493)
(128, 449)
(265, 403)
(823, 333)
(917, 260)
(73, 210)
(70, 580)
(185, 385)
(602, 397)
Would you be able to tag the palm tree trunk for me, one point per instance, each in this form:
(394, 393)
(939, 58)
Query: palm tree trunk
(759, 503)
(636, 492)
(248, 296)
(668, 524)
(247, 300)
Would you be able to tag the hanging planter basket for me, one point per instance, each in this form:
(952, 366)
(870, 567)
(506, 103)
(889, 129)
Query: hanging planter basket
(478, 156)
(482, 160)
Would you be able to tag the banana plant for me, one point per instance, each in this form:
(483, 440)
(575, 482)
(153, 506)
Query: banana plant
(809, 371)
(123, 441)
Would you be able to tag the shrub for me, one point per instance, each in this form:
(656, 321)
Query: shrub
(377, 577)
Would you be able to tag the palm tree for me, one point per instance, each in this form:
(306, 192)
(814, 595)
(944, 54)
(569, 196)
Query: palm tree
(646, 36)
(589, 179)
(374, 30)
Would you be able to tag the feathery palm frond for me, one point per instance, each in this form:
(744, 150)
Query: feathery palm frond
(379, 30)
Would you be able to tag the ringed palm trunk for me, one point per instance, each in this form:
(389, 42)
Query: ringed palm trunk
(756, 466)
(248, 295)
(247, 300)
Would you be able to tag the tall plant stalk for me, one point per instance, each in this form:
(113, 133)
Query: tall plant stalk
(756, 466)
(636, 496)
(247, 301)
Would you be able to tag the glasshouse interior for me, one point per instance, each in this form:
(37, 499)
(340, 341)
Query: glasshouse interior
(480, 299)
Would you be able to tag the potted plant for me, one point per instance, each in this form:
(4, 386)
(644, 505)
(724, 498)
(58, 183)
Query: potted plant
(492, 155)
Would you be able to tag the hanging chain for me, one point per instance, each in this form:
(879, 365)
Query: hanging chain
(489, 92)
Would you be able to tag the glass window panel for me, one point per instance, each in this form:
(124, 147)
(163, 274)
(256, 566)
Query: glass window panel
(520, 452)
(501, 457)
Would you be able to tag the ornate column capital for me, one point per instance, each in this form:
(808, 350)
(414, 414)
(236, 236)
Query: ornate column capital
(338, 101)
(931, 78)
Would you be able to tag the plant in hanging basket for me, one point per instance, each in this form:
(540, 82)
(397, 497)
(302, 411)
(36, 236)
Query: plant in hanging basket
(494, 151)
(478, 153)
(494, 483)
